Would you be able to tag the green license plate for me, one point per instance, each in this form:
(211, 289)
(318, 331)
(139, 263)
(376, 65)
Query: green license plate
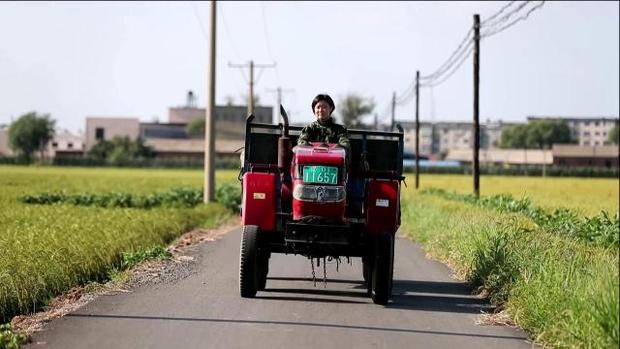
(321, 174)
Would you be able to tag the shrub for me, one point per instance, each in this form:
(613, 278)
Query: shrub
(229, 195)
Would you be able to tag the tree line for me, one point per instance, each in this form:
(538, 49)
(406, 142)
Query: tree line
(31, 133)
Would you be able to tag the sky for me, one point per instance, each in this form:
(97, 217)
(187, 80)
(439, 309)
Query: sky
(136, 59)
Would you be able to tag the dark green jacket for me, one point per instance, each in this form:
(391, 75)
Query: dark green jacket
(330, 132)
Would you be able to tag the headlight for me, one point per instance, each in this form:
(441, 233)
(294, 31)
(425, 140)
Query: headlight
(319, 193)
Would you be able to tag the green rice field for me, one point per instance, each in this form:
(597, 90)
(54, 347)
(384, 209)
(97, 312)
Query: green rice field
(47, 249)
(562, 288)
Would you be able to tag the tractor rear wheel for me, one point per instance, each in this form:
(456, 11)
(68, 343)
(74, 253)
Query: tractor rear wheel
(248, 262)
(263, 269)
(383, 269)
(367, 266)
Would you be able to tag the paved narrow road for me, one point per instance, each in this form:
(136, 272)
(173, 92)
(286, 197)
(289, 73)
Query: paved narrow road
(204, 310)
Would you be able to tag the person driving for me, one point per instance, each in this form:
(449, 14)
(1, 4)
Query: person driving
(324, 129)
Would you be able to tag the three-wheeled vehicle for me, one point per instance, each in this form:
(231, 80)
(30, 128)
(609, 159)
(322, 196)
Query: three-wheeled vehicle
(318, 201)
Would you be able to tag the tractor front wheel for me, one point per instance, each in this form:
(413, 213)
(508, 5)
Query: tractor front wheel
(248, 262)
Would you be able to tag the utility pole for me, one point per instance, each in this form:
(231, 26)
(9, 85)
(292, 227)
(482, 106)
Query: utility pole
(393, 109)
(251, 65)
(417, 129)
(376, 122)
(278, 92)
(209, 163)
(251, 95)
(475, 164)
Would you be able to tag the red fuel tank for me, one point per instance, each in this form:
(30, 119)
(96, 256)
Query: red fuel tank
(259, 200)
(382, 206)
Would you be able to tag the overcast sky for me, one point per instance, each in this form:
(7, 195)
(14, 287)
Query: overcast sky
(74, 59)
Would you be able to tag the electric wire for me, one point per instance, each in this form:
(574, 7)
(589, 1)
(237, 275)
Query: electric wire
(450, 61)
(483, 23)
(496, 31)
(267, 42)
(228, 35)
(206, 37)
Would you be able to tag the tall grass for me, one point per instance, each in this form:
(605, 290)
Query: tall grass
(562, 290)
(600, 230)
(47, 249)
(585, 196)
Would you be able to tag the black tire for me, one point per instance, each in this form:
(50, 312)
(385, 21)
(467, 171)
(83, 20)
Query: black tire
(367, 266)
(263, 269)
(248, 262)
(383, 269)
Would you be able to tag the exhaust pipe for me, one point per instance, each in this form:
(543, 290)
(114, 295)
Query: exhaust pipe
(284, 144)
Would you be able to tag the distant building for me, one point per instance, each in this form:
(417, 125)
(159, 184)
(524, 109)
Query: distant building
(5, 149)
(444, 136)
(585, 156)
(503, 156)
(107, 127)
(437, 139)
(171, 140)
(65, 144)
(588, 131)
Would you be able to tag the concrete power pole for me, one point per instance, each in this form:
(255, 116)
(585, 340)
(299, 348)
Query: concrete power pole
(251, 95)
(251, 65)
(417, 129)
(278, 92)
(209, 181)
(475, 163)
(393, 110)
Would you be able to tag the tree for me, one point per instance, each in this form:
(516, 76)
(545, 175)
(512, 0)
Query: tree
(230, 100)
(514, 137)
(196, 128)
(538, 134)
(352, 107)
(544, 133)
(614, 135)
(121, 149)
(245, 99)
(31, 132)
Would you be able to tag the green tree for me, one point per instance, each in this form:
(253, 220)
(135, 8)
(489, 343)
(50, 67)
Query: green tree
(196, 128)
(101, 150)
(538, 134)
(31, 132)
(352, 107)
(542, 134)
(514, 137)
(614, 135)
(121, 149)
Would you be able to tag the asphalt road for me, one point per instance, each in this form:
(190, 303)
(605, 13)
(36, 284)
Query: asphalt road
(429, 309)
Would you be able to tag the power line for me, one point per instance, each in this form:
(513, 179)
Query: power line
(262, 3)
(507, 16)
(385, 111)
(230, 40)
(491, 33)
(497, 13)
(455, 68)
(450, 61)
(205, 36)
(406, 95)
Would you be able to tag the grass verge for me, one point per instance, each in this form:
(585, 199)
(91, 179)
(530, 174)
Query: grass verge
(562, 290)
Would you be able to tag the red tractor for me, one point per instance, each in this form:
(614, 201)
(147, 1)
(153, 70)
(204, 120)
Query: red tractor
(320, 202)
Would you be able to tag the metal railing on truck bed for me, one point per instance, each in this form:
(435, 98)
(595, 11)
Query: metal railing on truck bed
(374, 154)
